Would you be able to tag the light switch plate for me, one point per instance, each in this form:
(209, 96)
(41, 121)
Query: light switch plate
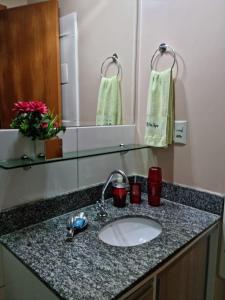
(180, 132)
(64, 74)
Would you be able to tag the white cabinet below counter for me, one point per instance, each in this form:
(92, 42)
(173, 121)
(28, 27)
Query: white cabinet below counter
(2, 288)
(1, 269)
(21, 283)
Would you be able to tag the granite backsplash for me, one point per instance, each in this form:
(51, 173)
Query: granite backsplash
(34, 212)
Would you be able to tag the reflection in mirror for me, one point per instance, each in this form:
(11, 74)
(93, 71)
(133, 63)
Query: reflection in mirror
(104, 28)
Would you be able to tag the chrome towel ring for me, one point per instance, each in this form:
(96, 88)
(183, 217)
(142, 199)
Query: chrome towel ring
(114, 59)
(163, 47)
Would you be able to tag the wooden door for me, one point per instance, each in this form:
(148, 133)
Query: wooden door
(29, 57)
(185, 279)
(21, 283)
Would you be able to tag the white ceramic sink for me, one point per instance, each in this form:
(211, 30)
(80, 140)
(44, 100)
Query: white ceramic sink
(130, 231)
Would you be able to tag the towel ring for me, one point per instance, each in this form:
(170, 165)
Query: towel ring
(114, 59)
(163, 47)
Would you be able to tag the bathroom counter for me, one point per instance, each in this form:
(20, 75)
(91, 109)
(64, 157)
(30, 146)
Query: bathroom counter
(87, 268)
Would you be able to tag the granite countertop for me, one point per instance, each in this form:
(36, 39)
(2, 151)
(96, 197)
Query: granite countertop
(87, 268)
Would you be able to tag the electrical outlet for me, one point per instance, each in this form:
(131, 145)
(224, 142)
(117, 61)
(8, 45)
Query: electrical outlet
(180, 132)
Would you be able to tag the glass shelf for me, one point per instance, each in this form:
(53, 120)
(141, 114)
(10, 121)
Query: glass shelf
(22, 163)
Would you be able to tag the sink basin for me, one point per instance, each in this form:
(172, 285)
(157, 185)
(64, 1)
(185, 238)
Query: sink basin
(130, 231)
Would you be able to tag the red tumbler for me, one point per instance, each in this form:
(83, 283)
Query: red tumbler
(119, 193)
(154, 186)
(135, 193)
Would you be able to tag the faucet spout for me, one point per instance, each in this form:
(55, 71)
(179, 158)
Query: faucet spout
(109, 179)
(101, 204)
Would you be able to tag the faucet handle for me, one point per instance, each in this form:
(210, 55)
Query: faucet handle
(69, 226)
(101, 210)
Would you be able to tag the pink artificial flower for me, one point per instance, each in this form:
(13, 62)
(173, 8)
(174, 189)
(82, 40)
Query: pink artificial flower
(21, 107)
(30, 106)
(38, 106)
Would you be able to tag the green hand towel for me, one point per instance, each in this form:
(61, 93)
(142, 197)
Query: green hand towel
(109, 108)
(160, 109)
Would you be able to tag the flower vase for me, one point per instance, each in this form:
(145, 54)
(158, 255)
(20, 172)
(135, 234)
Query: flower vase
(39, 149)
(48, 149)
(53, 148)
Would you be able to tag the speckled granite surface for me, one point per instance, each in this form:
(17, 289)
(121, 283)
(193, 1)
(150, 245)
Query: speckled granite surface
(86, 268)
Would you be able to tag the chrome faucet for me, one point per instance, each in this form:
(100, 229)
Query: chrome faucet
(101, 204)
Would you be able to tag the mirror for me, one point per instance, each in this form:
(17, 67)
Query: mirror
(105, 27)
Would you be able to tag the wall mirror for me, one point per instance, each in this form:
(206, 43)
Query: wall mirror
(104, 27)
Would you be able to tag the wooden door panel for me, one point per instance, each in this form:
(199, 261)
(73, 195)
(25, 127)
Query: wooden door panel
(29, 55)
(143, 291)
(185, 279)
(142, 295)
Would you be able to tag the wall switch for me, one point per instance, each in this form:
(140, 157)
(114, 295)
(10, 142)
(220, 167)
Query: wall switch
(180, 132)
(64, 74)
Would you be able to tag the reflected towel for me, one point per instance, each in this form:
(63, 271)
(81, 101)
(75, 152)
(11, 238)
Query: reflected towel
(160, 109)
(109, 108)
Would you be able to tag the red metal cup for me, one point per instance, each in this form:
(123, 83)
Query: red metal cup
(155, 174)
(135, 193)
(154, 186)
(119, 193)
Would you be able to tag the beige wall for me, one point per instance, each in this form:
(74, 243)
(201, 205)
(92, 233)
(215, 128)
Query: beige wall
(104, 27)
(13, 3)
(195, 29)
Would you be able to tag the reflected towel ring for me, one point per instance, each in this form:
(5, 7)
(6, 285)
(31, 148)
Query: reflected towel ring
(114, 59)
(162, 49)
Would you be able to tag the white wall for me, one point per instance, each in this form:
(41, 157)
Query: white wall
(20, 186)
(97, 169)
